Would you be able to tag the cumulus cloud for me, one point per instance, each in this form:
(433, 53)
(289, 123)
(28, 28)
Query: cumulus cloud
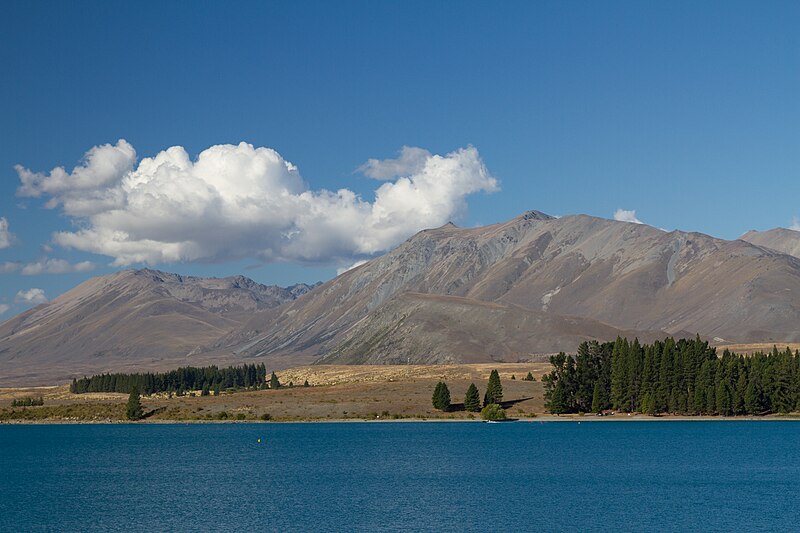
(30, 297)
(624, 215)
(4, 308)
(89, 188)
(6, 237)
(795, 224)
(411, 161)
(237, 201)
(56, 266)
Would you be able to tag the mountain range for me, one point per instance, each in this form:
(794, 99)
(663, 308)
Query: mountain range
(129, 321)
(506, 292)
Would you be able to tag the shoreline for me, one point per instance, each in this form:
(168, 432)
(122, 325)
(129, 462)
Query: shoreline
(540, 419)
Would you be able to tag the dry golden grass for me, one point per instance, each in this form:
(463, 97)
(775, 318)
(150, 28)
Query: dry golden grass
(758, 347)
(337, 392)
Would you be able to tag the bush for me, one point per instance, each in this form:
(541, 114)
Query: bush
(265, 417)
(241, 416)
(493, 412)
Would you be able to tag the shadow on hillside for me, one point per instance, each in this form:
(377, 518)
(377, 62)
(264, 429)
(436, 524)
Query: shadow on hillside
(153, 412)
(456, 407)
(512, 403)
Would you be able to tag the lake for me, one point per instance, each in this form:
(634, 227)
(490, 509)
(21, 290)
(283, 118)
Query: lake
(425, 476)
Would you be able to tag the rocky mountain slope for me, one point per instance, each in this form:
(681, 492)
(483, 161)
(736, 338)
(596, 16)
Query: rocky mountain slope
(779, 239)
(506, 292)
(625, 276)
(132, 319)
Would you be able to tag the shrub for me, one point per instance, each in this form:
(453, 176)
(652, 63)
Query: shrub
(493, 412)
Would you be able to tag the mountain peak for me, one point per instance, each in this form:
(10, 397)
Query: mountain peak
(535, 215)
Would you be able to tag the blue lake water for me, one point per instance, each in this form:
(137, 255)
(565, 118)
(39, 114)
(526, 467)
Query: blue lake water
(602, 476)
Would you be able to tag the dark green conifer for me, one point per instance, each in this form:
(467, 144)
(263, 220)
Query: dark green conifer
(273, 382)
(494, 390)
(441, 396)
(134, 410)
(472, 400)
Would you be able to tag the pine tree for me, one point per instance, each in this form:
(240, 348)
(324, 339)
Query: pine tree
(619, 376)
(648, 404)
(441, 397)
(753, 397)
(134, 410)
(305, 384)
(529, 377)
(598, 404)
(273, 382)
(723, 399)
(472, 400)
(494, 390)
(558, 402)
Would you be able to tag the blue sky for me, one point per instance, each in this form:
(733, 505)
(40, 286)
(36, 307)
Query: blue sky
(687, 112)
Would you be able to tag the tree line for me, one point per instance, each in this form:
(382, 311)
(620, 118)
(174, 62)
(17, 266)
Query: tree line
(205, 379)
(681, 377)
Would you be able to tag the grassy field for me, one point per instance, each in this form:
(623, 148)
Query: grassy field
(336, 392)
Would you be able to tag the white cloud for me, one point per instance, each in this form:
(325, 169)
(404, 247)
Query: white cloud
(31, 297)
(411, 161)
(624, 215)
(4, 308)
(56, 266)
(90, 187)
(6, 237)
(238, 201)
(795, 224)
(9, 266)
(342, 270)
(46, 266)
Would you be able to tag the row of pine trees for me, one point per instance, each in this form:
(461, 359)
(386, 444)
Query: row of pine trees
(183, 379)
(680, 377)
(472, 399)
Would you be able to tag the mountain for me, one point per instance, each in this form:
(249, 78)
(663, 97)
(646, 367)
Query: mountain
(779, 239)
(506, 292)
(129, 320)
(615, 275)
(434, 329)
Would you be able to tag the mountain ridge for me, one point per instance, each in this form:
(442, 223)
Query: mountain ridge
(513, 290)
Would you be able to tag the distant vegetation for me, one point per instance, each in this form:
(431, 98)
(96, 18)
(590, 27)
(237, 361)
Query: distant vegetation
(204, 379)
(27, 402)
(680, 377)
